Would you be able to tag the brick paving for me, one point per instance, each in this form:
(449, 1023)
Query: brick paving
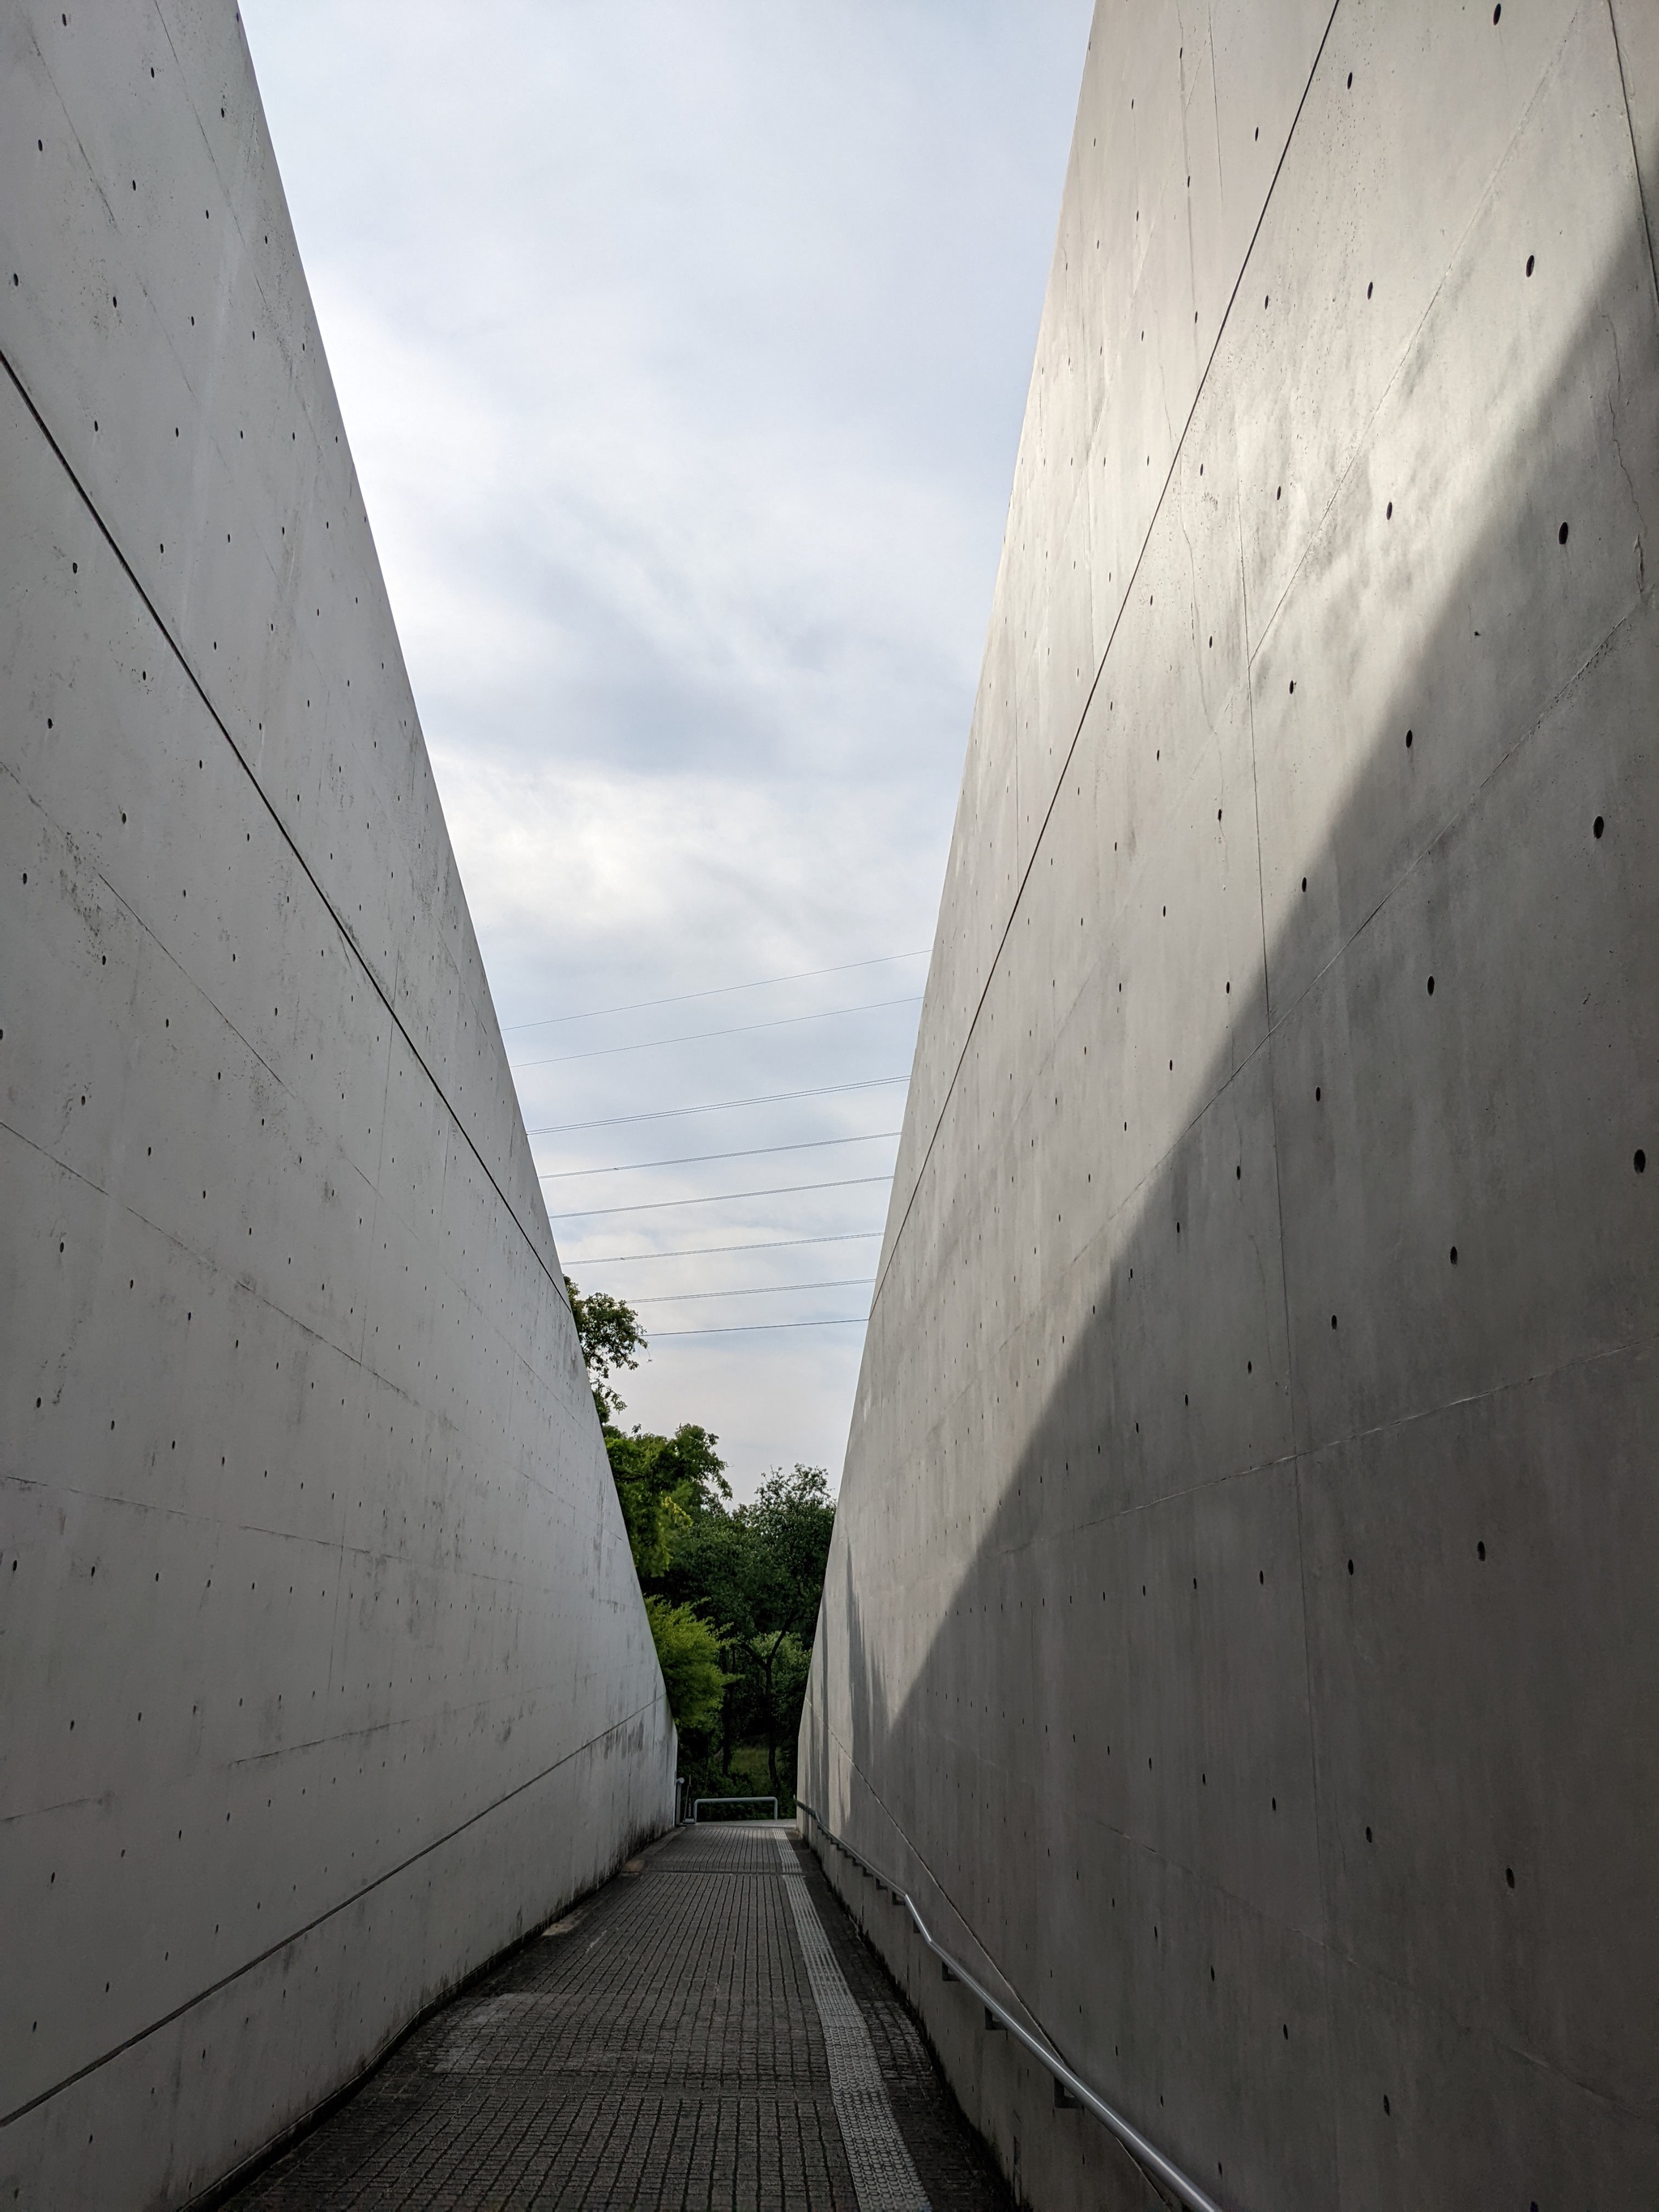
(660, 2049)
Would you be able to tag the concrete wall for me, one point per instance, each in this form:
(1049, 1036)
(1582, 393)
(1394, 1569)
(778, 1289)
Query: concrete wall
(1240, 1632)
(322, 1667)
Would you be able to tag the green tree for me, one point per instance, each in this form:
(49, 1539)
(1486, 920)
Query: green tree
(731, 1593)
(689, 1653)
(785, 1532)
(611, 1338)
(664, 1483)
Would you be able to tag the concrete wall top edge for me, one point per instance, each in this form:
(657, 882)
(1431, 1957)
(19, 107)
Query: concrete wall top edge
(325, 1660)
(1251, 1454)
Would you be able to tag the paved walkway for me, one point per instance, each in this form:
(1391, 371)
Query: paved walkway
(708, 2031)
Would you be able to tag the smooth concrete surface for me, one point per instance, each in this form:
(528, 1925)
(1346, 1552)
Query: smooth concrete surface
(1240, 1632)
(324, 1669)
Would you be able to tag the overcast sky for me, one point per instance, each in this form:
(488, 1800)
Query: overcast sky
(683, 348)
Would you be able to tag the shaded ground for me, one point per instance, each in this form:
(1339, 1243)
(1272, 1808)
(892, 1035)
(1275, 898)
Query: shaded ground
(661, 2047)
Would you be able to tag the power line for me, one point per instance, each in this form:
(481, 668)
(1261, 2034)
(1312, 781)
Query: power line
(715, 1197)
(719, 1106)
(757, 1290)
(692, 1159)
(699, 1251)
(696, 1036)
(720, 991)
(748, 1327)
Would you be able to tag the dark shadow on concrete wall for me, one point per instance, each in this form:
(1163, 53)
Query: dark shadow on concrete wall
(1305, 1795)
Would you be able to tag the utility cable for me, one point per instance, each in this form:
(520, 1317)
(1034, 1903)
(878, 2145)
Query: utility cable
(701, 1251)
(716, 1197)
(693, 1159)
(749, 1329)
(757, 1290)
(696, 1036)
(719, 1105)
(719, 990)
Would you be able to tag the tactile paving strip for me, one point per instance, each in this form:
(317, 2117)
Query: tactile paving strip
(666, 2047)
(883, 2173)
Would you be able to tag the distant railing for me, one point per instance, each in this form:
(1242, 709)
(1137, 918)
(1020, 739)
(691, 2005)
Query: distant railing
(697, 1803)
(1069, 2091)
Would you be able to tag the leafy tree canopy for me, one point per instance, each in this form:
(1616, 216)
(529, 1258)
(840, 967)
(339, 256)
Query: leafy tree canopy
(611, 1338)
(666, 1484)
(789, 1524)
(689, 1652)
(732, 1592)
(784, 1540)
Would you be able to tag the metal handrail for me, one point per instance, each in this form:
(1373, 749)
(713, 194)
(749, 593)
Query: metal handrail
(696, 1802)
(998, 2016)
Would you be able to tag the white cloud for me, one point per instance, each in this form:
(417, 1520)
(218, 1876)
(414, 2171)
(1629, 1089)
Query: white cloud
(683, 351)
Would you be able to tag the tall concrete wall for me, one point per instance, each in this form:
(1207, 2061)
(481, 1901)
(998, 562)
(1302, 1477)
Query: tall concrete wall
(1240, 1632)
(323, 1671)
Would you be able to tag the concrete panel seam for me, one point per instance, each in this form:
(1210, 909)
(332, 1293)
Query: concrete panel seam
(988, 1964)
(1082, 716)
(297, 1935)
(1635, 154)
(1429, 307)
(295, 1321)
(1449, 827)
(554, 1277)
(1040, 2044)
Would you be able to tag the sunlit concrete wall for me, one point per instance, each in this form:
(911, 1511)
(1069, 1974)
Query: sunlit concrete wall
(1240, 1634)
(323, 1671)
